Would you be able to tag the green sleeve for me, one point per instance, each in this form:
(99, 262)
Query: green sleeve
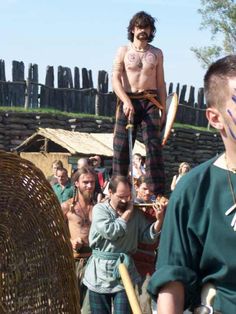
(176, 259)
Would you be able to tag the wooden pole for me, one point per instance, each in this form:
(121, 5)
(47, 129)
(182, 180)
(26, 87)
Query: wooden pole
(27, 94)
(129, 289)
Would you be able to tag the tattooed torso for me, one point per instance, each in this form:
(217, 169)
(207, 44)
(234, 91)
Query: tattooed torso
(138, 70)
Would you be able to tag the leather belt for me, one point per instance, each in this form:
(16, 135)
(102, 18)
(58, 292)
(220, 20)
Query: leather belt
(83, 252)
(81, 255)
(146, 95)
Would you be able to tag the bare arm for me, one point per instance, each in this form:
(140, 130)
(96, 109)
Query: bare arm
(173, 183)
(65, 208)
(118, 68)
(171, 298)
(161, 86)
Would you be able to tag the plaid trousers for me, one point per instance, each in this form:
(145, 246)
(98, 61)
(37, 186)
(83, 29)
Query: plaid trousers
(147, 116)
(101, 303)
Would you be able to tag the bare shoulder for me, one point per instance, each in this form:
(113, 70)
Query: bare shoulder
(157, 51)
(66, 206)
(122, 50)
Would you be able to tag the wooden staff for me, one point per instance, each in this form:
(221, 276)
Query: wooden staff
(129, 289)
(208, 294)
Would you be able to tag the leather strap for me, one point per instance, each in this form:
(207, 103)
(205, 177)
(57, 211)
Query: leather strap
(149, 96)
(81, 255)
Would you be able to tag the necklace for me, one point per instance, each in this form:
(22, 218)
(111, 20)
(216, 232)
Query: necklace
(140, 51)
(140, 64)
(83, 214)
(233, 207)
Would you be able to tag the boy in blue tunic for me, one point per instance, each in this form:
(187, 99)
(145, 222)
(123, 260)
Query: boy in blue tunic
(198, 237)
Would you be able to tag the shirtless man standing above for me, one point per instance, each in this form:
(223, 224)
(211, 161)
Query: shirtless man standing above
(138, 81)
(78, 213)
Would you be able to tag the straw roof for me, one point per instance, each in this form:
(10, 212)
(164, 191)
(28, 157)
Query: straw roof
(47, 139)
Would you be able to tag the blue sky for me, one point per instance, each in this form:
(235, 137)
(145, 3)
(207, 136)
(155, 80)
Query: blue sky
(87, 34)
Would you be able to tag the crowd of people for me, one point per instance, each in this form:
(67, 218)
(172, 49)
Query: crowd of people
(172, 249)
(97, 212)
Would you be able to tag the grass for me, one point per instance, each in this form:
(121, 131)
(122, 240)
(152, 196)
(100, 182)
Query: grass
(86, 115)
(52, 111)
(194, 127)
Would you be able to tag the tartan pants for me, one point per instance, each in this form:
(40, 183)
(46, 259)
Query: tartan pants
(147, 116)
(101, 303)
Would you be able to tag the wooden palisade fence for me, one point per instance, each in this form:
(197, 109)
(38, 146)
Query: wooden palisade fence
(77, 93)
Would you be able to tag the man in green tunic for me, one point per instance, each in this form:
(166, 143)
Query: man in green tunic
(116, 229)
(64, 188)
(198, 237)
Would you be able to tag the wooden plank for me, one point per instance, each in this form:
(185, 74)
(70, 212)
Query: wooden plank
(170, 90)
(191, 98)
(85, 78)
(2, 70)
(182, 94)
(90, 78)
(17, 93)
(3, 94)
(76, 78)
(35, 80)
(200, 98)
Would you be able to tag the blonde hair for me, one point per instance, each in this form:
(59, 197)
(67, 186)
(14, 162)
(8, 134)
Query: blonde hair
(182, 165)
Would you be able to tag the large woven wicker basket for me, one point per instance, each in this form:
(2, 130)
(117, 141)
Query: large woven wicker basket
(36, 263)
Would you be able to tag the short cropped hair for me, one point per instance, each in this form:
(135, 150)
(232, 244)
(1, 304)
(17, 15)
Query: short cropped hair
(142, 179)
(141, 20)
(115, 180)
(64, 170)
(216, 86)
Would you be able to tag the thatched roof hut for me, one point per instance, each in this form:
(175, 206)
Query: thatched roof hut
(47, 144)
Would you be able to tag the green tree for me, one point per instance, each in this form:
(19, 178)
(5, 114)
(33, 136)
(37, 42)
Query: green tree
(220, 17)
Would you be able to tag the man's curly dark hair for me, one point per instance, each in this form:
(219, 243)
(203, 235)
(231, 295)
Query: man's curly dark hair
(141, 20)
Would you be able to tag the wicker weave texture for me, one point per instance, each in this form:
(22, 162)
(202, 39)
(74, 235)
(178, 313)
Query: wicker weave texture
(36, 263)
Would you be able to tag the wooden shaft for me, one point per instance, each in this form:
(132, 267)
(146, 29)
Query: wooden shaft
(138, 205)
(208, 294)
(129, 289)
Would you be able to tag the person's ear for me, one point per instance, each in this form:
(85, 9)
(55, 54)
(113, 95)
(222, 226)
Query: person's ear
(215, 118)
(76, 184)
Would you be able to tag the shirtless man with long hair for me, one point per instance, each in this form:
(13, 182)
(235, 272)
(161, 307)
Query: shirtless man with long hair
(138, 81)
(78, 213)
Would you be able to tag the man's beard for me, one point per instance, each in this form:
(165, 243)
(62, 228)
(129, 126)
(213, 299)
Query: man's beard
(142, 36)
(123, 206)
(87, 195)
